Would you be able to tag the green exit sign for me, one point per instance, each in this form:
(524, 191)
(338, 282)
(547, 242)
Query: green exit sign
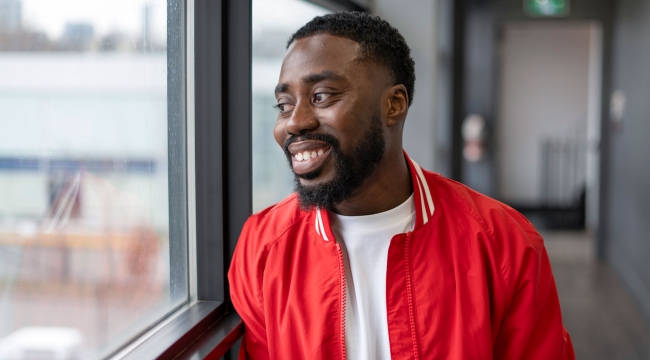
(544, 8)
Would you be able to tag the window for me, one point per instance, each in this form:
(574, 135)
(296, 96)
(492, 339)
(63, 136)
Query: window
(91, 195)
(125, 170)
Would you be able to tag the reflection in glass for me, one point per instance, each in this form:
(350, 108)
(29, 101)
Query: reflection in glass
(273, 24)
(84, 214)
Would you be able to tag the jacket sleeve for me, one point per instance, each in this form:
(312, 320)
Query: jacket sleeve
(246, 293)
(532, 324)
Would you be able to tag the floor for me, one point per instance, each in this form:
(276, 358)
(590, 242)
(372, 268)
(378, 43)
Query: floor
(603, 320)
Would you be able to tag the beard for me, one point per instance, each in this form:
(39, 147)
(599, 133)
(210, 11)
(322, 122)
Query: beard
(351, 170)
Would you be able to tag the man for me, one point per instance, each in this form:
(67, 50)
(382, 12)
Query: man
(374, 257)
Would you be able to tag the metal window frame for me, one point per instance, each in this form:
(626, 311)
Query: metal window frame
(218, 111)
(216, 49)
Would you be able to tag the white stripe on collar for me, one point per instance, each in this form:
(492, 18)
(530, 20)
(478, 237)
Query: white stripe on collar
(418, 170)
(319, 220)
(425, 218)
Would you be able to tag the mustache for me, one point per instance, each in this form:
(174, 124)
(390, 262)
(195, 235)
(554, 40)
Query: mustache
(329, 139)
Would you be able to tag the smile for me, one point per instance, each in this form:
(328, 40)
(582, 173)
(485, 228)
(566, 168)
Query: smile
(308, 156)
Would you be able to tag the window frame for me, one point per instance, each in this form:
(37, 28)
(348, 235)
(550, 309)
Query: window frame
(218, 122)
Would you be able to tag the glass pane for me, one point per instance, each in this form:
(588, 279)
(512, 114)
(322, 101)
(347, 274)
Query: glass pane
(85, 183)
(273, 24)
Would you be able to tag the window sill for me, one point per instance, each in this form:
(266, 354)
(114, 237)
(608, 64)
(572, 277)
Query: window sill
(202, 331)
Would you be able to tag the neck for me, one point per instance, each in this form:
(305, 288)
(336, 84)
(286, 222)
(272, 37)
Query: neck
(388, 187)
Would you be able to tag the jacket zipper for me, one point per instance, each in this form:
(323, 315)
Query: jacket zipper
(343, 298)
(409, 292)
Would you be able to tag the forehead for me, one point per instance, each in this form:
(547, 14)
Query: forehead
(318, 54)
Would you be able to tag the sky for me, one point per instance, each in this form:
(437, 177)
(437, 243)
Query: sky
(123, 16)
(126, 15)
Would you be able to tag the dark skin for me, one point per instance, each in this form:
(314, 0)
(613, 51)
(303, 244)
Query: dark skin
(325, 88)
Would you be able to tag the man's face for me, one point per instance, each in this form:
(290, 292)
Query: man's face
(329, 120)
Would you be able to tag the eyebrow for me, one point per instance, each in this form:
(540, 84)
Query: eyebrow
(312, 79)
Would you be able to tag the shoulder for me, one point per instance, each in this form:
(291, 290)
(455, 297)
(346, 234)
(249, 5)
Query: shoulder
(269, 224)
(263, 229)
(497, 219)
(257, 237)
(514, 240)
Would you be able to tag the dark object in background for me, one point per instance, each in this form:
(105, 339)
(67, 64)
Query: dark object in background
(571, 217)
(563, 194)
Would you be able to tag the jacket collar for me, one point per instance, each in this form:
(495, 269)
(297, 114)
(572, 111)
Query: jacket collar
(424, 207)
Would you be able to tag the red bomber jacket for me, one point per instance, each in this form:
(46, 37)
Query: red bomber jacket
(471, 281)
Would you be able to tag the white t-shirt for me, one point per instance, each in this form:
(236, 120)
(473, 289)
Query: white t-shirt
(365, 241)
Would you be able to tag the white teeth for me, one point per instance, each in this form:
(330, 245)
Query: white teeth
(306, 155)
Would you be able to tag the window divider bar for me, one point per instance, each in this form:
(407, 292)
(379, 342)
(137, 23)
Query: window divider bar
(237, 123)
(210, 207)
(222, 108)
(237, 130)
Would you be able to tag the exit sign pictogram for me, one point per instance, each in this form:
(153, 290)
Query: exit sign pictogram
(546, 8)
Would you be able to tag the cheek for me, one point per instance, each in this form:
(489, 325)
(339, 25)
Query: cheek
(279, 133)
(348, 127)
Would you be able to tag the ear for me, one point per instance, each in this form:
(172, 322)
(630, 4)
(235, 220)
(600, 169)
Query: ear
(398, 104)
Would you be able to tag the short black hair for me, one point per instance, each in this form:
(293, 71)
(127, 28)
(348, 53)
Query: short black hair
(378, 41)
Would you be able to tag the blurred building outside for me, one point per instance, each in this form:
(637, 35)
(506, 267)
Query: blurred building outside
(84, 223)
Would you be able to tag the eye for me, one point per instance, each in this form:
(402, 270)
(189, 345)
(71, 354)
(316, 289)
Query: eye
(320, 97)
(283, 107)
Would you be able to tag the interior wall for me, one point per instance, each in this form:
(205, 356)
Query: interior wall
(544, 94)
(416, 20)
(629, 176)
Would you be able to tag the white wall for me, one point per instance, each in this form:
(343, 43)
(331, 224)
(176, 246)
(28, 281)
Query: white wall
(416, 20)
(544, 92)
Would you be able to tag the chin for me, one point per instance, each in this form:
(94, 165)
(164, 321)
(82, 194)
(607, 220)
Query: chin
(315, 177)
(308, 182)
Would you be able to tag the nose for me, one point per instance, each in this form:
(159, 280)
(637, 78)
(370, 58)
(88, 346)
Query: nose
(302, 120)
